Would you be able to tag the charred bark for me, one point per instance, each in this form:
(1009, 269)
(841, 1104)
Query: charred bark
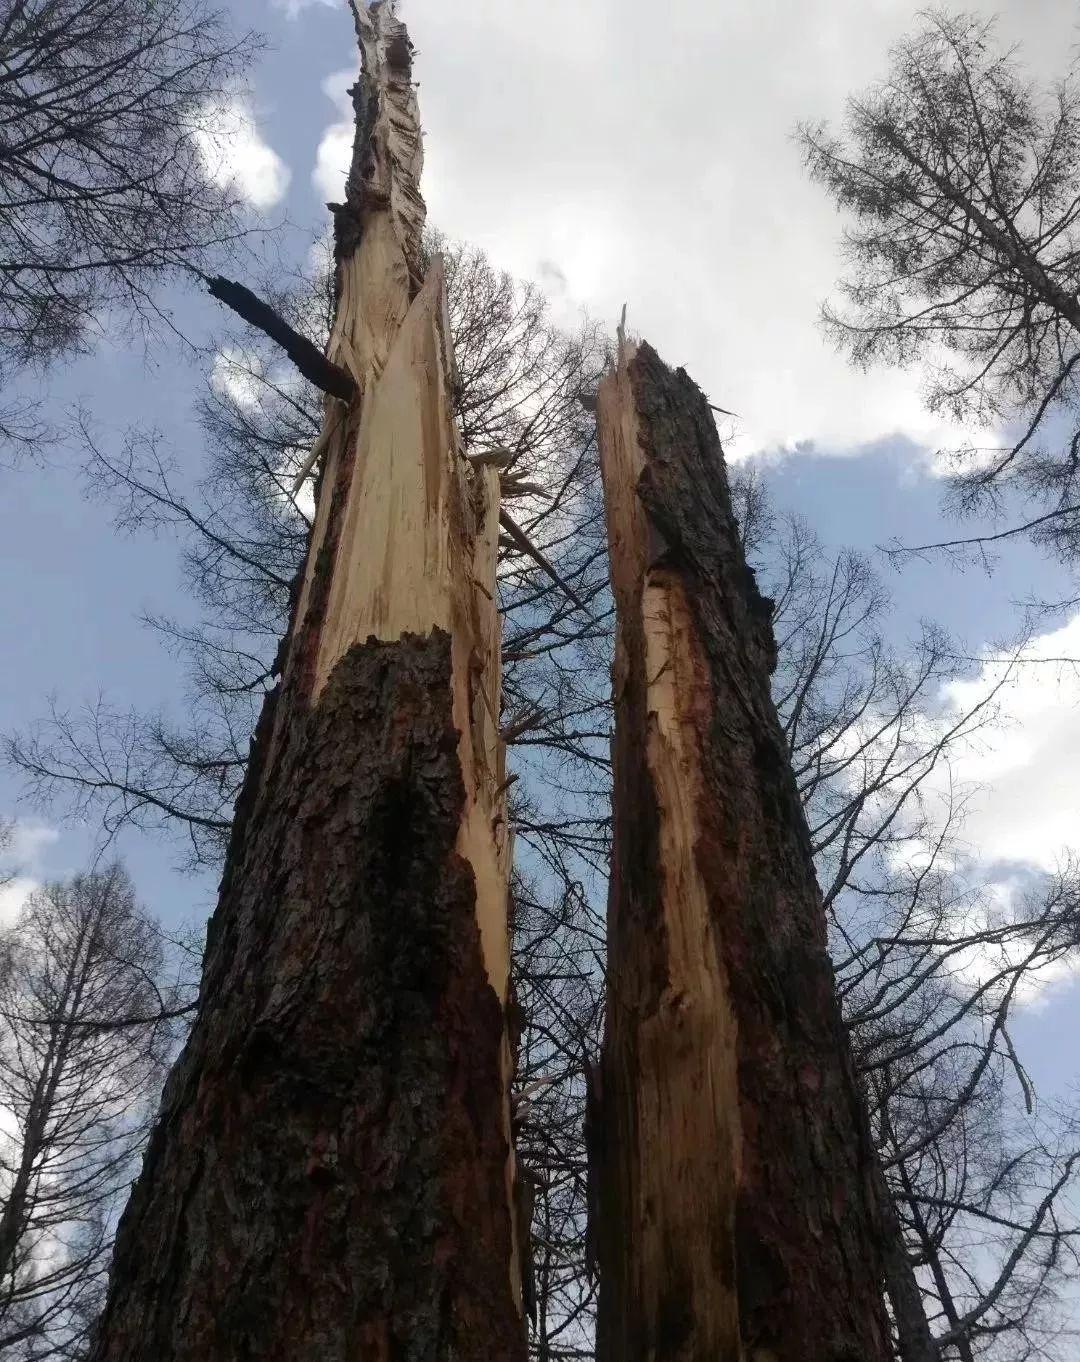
(319, 1183)
(307, 357)
(735, 1200)
(331, 1174)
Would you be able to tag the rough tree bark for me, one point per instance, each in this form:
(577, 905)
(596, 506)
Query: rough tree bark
(734, 1170)
(330, 1176)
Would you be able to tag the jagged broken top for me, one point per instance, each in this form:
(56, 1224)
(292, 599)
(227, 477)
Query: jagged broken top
(388, 153)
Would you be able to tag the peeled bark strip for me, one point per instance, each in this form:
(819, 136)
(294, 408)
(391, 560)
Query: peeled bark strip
(735, 1201)
(330, 1176)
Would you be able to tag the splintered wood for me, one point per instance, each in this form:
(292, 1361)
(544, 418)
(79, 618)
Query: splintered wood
(665, 966)
(735, 1217)
(406, 528)
(331, 1176)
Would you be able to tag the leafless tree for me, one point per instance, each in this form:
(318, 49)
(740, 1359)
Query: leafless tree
(981, 1173)
(558, 968)
(85, 1002)
(959, 179)
(7, 833)
(104, 188)
(931, 958)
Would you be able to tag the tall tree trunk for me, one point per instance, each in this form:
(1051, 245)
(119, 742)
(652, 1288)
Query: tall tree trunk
(914, 1340)
(736, 1203)
(330, 1174)
(32, 1137)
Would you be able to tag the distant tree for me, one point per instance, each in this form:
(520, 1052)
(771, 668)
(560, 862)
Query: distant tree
(7, 831)
(84, 1038)
(104, 190)
(558, 970)
(959, 180)
(961, 183)
(932, 966)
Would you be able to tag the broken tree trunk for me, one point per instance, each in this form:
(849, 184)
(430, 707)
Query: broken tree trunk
(330, 1175)
(735, 1200)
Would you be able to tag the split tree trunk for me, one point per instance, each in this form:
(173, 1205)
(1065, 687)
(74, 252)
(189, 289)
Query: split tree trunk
(735, 1196)
(330, 1175)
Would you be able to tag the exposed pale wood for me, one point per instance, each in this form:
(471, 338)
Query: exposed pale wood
(415, 546)
(381, 224)
(402, 553)
(332, 415)
(685, 1077)
(733, 1215)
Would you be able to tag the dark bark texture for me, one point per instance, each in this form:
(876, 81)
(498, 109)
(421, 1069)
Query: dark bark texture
(326, 1180)
(723, 1028)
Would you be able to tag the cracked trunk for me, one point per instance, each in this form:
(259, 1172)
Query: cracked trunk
(735, 1192)
(330, 1174)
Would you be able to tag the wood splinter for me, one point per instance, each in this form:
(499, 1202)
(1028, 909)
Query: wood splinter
(524, 544)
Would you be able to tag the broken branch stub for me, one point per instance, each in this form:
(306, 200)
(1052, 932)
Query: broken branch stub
(734, 1210)
(307, 356)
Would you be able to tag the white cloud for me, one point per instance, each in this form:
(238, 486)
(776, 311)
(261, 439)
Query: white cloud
(1029, 768)
(235, 374)
(294, 8)
(234, 153)
(983, 962)
(335, 147)
(29, 840)
(22, 859)
(1015, 783)
(1020, 783)
(305, 499)
(645, 155)
(13, 895)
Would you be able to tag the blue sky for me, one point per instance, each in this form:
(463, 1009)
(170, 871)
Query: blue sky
(613, 156)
